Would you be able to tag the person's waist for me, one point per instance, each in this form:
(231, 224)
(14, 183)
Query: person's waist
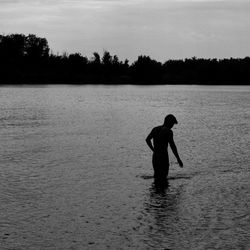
(161, 152)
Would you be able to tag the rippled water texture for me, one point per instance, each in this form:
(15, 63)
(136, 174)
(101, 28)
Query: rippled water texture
(75, 171)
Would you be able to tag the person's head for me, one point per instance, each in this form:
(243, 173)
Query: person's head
(170, 121)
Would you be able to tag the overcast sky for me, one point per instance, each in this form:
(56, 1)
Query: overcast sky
(163, 29)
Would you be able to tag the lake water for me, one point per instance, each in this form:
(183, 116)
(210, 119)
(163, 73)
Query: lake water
(75, 171)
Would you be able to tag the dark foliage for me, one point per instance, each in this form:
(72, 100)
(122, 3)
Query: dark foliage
(27, 60)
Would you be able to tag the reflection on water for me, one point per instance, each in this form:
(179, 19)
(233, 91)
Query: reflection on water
(161, 210)
(211, 216)
(75, 171)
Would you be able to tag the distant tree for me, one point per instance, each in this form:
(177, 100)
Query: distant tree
(36, 47)
(125, 66)
(77, 59)
(27, 59)
(115, 60)
(146, 70)
(107, 58)
(77, 64)
(126, 62)
(96, 58)
(12, 47)
(65, 55)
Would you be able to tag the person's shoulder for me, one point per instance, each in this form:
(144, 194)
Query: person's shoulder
(157, 128)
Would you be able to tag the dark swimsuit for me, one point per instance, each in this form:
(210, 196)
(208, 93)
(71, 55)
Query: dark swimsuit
(161, 137)
(160, 165)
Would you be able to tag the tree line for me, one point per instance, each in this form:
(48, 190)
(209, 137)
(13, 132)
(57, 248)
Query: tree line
(29, 60)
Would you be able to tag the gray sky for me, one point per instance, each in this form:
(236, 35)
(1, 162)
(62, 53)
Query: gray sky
(163, 29)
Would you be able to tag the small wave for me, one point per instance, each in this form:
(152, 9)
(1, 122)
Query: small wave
(178, 177)
(146, 177)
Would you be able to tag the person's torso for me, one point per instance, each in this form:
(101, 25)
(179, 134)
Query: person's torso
(161, 139)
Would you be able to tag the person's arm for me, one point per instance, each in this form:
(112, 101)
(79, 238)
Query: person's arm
(174, 149)
(149, 142)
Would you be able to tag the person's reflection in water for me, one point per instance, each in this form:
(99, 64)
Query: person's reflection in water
(162, 136)
(161, 211)
(160, 186)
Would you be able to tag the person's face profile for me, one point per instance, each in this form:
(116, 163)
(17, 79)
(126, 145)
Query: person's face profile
(170, 125)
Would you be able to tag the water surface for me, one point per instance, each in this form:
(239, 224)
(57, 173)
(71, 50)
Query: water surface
(75, 171)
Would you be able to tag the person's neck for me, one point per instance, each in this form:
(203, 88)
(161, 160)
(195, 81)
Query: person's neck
(165, 126)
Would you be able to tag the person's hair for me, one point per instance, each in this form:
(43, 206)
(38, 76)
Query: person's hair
(170, 119)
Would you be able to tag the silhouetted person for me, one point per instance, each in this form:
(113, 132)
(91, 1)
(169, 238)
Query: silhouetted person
(162, 136)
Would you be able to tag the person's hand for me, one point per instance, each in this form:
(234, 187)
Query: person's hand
(180, 163)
